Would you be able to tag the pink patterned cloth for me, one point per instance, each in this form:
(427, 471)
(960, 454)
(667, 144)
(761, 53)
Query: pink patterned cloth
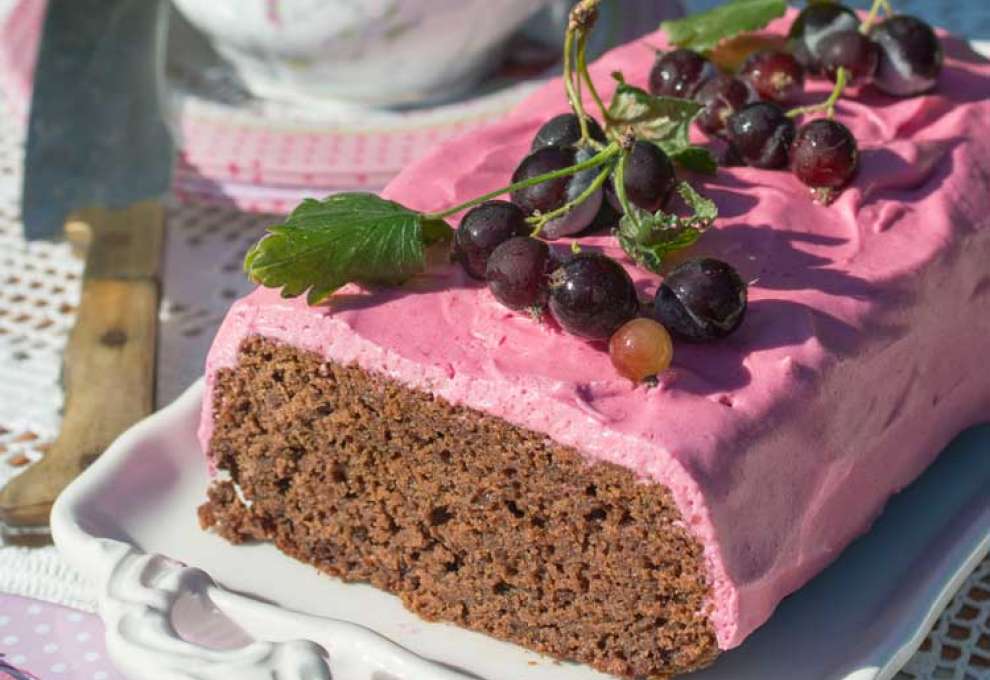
(46, 641)
(8, 672)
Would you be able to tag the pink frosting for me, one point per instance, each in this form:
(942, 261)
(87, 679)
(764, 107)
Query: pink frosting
(856, 364)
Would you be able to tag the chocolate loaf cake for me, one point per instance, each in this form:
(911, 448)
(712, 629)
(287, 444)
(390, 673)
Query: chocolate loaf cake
(466, 517)
(496, 472)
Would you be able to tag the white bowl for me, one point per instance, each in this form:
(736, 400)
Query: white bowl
(372, 52)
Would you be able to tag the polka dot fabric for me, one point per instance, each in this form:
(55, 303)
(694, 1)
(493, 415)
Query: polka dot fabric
(49, 642)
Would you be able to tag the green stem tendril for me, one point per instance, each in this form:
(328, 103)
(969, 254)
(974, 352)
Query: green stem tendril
(827, 106)
(601, 157)
(874, 13)
(576, 78)
(580, 21)
(540, 221)
(582, 65)
(620, 187)
(572, 94)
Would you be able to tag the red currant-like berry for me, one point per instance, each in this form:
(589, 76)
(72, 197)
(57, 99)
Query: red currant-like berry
(701, 300)
(721, 96)
(640, 349)
(517, 273)
(680, 73)
(591, 295)
(852, 51)
(761, 134)
(911, 56)
(482, 229)
(776, 76)
(825, 154)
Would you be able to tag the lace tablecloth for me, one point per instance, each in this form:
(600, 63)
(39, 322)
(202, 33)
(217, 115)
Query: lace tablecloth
(39, 286)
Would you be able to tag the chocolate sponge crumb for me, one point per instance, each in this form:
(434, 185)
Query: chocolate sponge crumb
(465, 517)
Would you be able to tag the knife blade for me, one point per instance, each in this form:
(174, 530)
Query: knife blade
(99, 157)
(96, 133)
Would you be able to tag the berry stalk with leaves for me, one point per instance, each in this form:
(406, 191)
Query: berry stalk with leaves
(363, 238)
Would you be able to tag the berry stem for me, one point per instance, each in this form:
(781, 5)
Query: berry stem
(583, 72)
(573, 96)
(874, 13)
(580, 21)
(828, 106)
(620, 188)
(601, 157)
(540, 220)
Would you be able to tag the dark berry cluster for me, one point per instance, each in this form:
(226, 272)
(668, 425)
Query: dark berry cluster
(591, 295)
(901, 56)
(563, 186)
(580, 175)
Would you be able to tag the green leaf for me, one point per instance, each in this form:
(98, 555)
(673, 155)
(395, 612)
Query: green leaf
(665, 121)
(696, 158)
(662, 120)
(649, 237)
(705, 30)
(351, 237)
(704, 211)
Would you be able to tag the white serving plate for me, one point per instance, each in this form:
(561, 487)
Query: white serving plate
(277, 618)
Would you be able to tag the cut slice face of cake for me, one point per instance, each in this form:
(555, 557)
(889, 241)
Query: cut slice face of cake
(495, 472)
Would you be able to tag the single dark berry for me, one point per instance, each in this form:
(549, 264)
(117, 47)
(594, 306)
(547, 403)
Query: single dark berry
(776, 76)
(701, 300)
(565, 130)
(640, 349)
(548, 195)
(517, 273)
(816, 21)
(649, 178)
(482, 229)
(721, 96)
(591, 295)
(824, 154)
(852, 51)
(761, 134)
(911, 56)
(680, 73)
(553, 194)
